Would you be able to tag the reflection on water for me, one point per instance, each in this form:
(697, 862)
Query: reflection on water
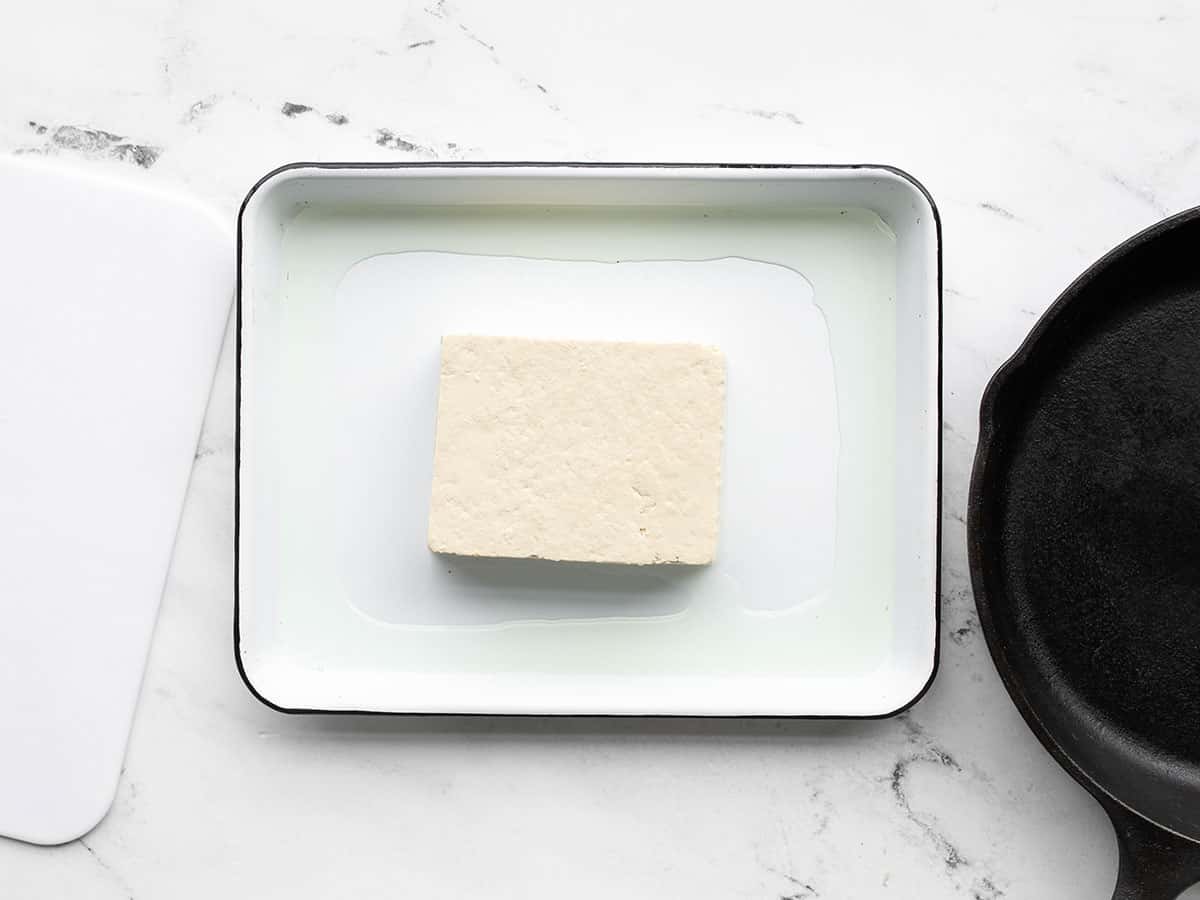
(546, 589)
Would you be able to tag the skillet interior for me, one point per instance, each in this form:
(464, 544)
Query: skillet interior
(1086, 541)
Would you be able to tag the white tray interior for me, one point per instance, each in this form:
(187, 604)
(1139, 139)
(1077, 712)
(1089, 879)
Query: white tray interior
(820, 284)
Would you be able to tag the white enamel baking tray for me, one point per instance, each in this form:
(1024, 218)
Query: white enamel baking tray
(820, 283)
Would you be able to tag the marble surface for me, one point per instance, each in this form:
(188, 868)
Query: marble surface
(1046, 133)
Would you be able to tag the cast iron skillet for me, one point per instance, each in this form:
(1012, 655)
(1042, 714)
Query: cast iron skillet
(1084, 539)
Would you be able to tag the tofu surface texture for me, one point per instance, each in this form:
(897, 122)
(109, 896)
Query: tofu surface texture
(588, 451)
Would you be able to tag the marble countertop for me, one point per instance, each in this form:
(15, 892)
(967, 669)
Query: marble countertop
(1047, 133)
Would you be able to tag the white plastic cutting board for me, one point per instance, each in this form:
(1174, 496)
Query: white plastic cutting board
(112, 309)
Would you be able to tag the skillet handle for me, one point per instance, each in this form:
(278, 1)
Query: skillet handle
(1154, 864)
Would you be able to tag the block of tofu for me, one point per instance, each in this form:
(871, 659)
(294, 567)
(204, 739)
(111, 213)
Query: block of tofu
(588, 451)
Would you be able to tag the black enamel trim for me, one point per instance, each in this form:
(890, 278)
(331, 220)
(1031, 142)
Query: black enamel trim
(981, 476)
(237, 458)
